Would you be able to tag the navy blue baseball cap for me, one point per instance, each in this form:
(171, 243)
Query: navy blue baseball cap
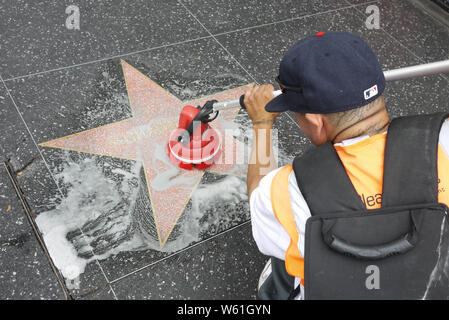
(326, 73)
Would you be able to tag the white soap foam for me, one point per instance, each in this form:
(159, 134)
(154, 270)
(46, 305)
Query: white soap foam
(90, 195)
(102, 206)
(170, 177)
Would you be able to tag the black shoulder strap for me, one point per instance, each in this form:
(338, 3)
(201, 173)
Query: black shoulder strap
(324, 183)
(410, 164)
(410, 169)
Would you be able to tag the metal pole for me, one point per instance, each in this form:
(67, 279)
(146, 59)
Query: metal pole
(235, 103)
(417, 71)
(390, 75)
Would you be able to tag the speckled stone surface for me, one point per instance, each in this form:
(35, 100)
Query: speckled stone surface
(37, 183)
(225, 267)
(16, 145)
(25, 271)
(268, 51)
(18, 148)
(220, 16)
(64, 82)
(36, 38)
(416, 31)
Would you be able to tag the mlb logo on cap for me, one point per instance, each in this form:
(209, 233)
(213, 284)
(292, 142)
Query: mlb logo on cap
(371, 92)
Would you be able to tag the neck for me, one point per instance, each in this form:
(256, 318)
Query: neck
(373, 124)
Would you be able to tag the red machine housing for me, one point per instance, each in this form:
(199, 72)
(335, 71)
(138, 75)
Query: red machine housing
(202, 148)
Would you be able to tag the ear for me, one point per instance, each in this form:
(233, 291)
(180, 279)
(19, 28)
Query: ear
(318, 127)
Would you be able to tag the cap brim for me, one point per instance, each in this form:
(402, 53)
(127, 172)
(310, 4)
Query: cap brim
(289, 100)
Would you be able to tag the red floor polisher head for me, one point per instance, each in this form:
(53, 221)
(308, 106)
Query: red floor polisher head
(195, 143)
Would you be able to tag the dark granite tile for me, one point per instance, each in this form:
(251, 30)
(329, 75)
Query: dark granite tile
(417, 96)
(36, 182)
(18, 148)
(90, 281)
(191, 70)
(221, 15)
(25, 271)
(35, 37)
(15, 142)
(426, 39)
(225, 267)
(52, 103)
(358, 2)
(419, 32)
(413, 28)
(103, 293)
(265, 46)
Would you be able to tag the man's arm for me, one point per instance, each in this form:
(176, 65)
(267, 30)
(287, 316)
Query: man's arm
(262, 158)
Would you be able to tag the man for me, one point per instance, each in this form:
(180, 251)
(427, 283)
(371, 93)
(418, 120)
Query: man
(334, 85)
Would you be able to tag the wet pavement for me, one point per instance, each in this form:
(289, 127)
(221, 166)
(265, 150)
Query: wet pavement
(84, 114)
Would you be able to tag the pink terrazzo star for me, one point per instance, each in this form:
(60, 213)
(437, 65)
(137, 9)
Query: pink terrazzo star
(143, 137)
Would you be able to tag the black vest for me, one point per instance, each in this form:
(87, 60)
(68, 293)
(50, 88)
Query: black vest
(397, 252)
